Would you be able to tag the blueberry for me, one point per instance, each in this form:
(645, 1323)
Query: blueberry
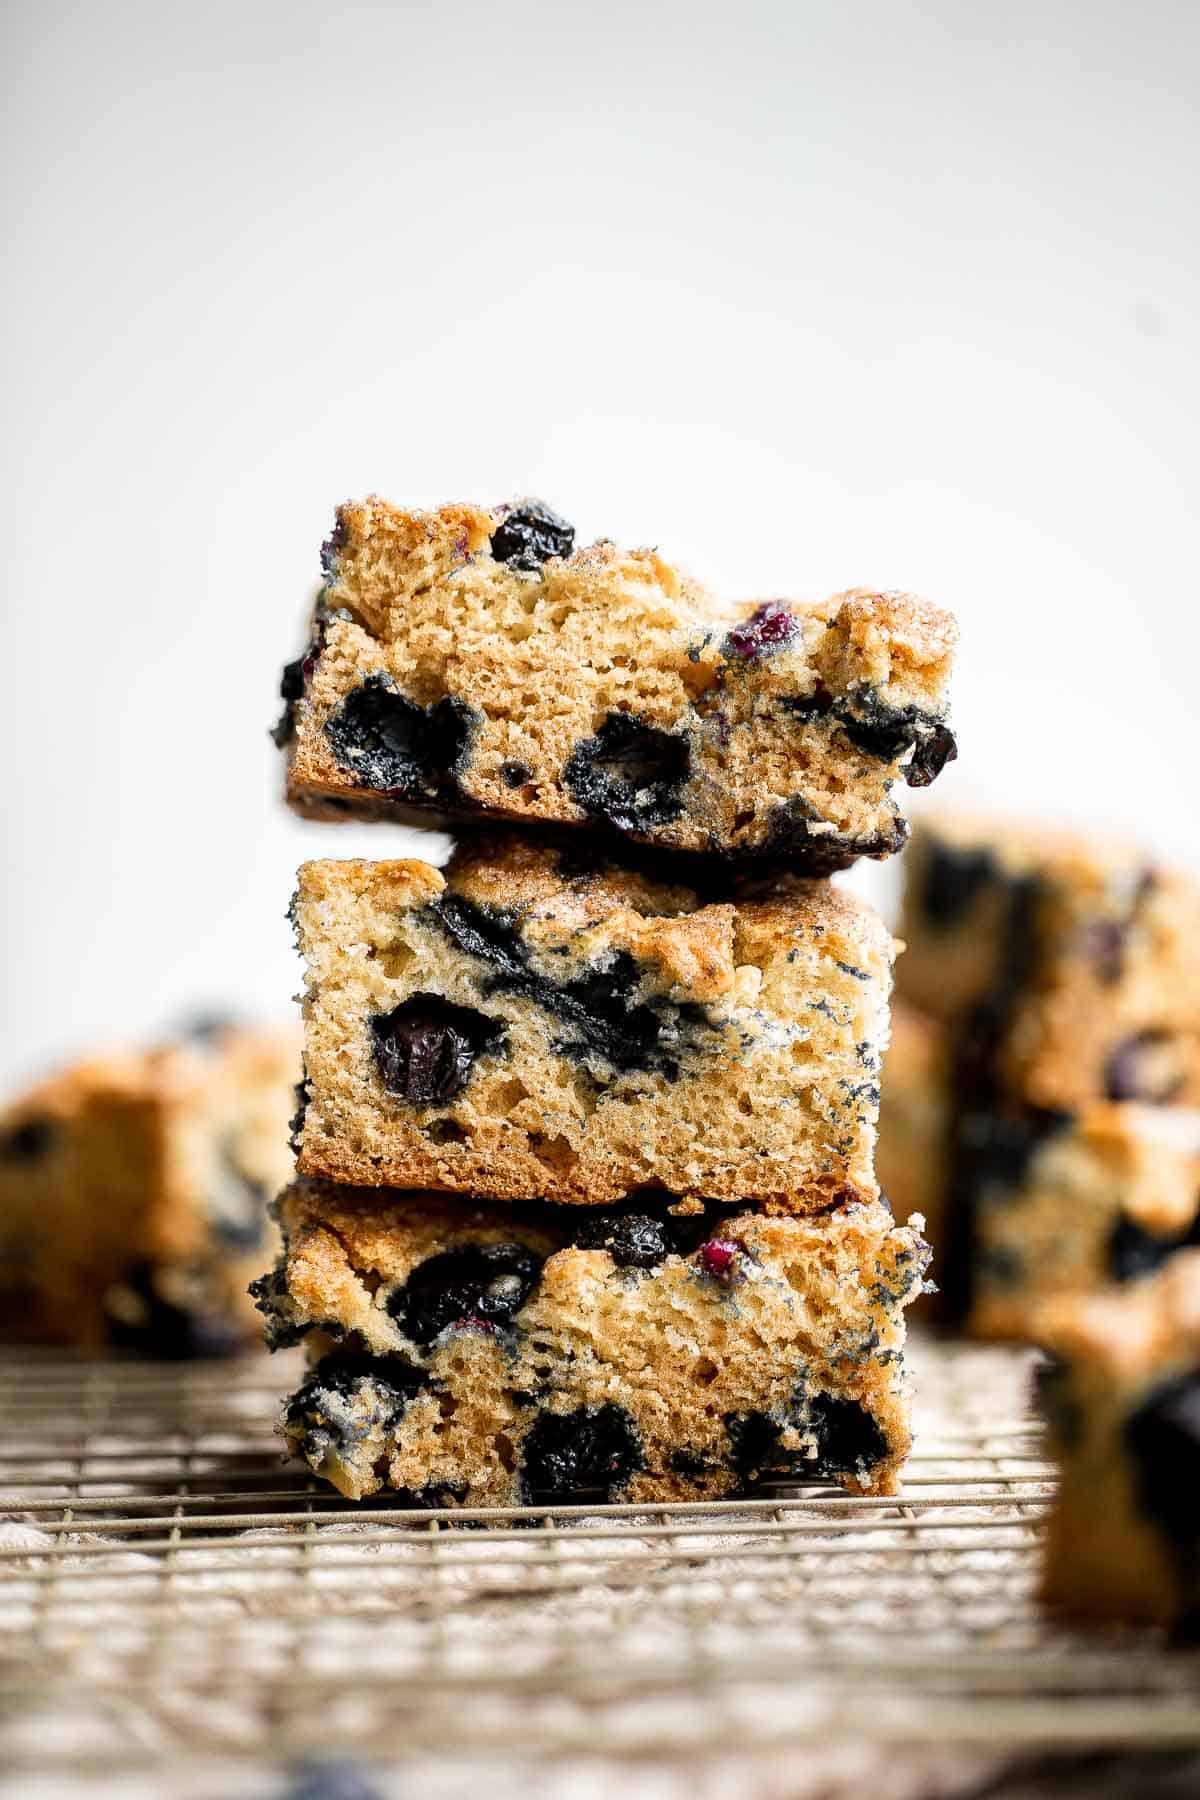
(936, 745)
(769, 629)
(630, 775)
(31, 1140)
(515, 774)
(303, 1092)
(485, 1284)
(331, 1781)
(847, 1435)
(292, 683)
(1164, 1438)
(332, 548)
(688, 1463)
(1134, 1252)
(394, 746)
(997, 1149)
(598, 1012)
(529, 534)
(345, 1373)
(753, 1442)
(953, 882)
(425, 1048)
(595, 1449)
(847, 1438)
(633, 1240)
(142, 1313)
(1135, 1070)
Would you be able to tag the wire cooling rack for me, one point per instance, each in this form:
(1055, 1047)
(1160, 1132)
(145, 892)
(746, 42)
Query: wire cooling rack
(168, 1582)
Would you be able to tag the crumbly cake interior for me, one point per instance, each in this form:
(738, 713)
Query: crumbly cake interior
(495, 1356)
(134, 1191)
(1121, 1395)
(528, 1026)
(464, 661)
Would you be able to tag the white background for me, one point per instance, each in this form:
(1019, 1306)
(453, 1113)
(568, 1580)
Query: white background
(808, 295)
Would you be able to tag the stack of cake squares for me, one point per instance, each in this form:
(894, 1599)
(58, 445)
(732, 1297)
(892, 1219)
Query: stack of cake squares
(585, 1203)
(1043, 1083)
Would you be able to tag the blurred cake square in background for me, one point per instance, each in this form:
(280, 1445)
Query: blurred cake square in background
(1040, 1093)
(134, 1187)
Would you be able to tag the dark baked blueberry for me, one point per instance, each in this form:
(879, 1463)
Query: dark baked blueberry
(633, 1240)
(953, 881)
(997, 1149)
(595, 1449)
(688, 1463)
(798, 837)
(769, 629)
(425, 1048)
(515, 774)
(391, 744)
(270, 1295)
(1163, 1436)
(1134, 1252)
(30, 1140)
(599, 1013)
(935, 746)
(753, 1443)
(485, 1284)
(291, 690)
(296, 1122)
(344, 1373)
(1143, 1068)
(630, 775)
(849, 1438)
(332, 548)
(151, 1310)
(529, 534)
(331, 1781)
(292, 683)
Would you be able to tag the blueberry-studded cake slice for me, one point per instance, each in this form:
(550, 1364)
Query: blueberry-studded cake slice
(527, 1025)
(1065, 967)
(660, 1350)
(134, 1189)
(1065, 1203)
(464, 662)
(1121, 1396)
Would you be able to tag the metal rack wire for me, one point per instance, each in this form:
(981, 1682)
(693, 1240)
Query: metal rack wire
(167, 1581)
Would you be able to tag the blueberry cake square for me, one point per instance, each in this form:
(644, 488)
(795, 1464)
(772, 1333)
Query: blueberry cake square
(1065, 967)
(659, 1350)
(528, 1024)
(134, 1190)
(1067, 1203)
(465, 663)
(1121, 1397)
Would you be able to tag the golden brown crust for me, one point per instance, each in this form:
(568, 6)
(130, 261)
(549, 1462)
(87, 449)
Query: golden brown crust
(785, 754)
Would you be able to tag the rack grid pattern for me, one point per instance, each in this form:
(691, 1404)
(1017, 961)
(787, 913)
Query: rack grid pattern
(168, 1582)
